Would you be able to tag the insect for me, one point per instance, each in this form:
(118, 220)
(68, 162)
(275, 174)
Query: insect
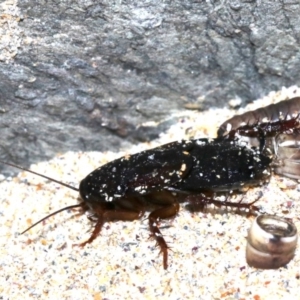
(193, 170)
(190, 170)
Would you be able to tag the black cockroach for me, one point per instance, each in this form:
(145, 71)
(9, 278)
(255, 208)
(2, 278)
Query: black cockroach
(166, 175)
(187, 170)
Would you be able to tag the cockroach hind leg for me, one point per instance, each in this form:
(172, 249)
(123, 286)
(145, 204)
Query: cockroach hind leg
(201, 201)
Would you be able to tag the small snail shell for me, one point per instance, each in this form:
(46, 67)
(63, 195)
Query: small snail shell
(271, 242)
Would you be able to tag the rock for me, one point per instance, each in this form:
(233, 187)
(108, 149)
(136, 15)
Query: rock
(85, 75)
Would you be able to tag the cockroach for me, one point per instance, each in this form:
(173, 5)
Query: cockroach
(191, 170)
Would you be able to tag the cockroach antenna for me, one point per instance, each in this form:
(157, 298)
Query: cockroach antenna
(53, 180)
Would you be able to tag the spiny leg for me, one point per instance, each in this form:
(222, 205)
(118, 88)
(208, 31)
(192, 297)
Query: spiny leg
(201, 200)
(127, 209)
(170, 209)
(98, 211)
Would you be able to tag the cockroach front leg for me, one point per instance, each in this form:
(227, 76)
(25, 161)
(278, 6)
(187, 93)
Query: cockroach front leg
(169, 210)
(127, 209)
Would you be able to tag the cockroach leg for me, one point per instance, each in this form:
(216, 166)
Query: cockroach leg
(200, 201)
(95, 233)
(125, 210)
(195, 170)
(169, 210)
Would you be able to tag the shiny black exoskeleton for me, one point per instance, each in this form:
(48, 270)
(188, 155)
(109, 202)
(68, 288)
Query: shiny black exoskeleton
(188, 165)
(223, 165)
(165, 174)
(190, 170)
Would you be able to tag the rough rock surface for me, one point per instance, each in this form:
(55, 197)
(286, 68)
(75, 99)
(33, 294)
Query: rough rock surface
(85, 75)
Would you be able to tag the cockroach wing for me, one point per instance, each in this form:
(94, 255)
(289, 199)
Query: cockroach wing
(159, 168)
(138, 174)
(223, 165)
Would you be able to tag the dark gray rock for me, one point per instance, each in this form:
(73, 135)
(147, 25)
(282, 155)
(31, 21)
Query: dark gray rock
(87, 74)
